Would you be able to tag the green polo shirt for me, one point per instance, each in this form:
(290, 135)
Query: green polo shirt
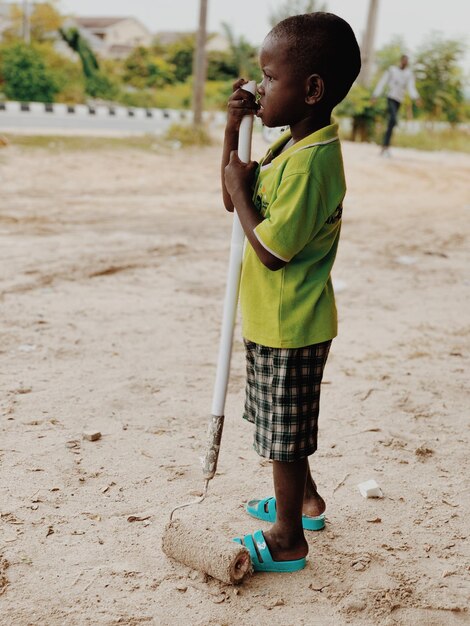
(299, 192)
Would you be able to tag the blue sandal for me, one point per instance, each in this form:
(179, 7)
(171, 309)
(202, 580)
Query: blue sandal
(261, 556)
(265, 510)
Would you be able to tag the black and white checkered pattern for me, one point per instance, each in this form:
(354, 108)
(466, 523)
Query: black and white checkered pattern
(283, 398)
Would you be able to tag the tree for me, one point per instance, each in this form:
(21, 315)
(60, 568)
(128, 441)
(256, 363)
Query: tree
(358, 106)
(97, 84)
(295, 7)
(439, 78)
(390, 54)
(368, 44)
(78, 44)
(44, 20)
(142, 69)
(67, 73)
(221, 66)
(25, 74)
(200, 64)
(244, 55)
(180, 54)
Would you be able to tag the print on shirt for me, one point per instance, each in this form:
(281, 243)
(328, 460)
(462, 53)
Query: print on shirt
(261, 200)
(336, 216)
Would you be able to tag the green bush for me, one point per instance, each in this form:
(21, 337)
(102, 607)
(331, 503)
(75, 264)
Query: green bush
(145, 98)
(358, 106)
(180, 96)
(67, 74)
(101, 86)
(221, 66)
(180, 55)
(26, 76)
(144, 69)
(188, 135)
(440, 79)
(217, 94)
(177, 96)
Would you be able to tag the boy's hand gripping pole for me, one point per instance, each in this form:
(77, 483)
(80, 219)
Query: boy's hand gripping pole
(230, 310)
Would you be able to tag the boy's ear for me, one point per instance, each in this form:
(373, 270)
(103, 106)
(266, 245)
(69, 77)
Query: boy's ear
(315, 89)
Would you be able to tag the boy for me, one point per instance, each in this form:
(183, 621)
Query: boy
(397, 80)
(290, 208)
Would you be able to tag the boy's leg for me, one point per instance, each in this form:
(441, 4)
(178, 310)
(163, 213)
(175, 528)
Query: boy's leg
(393, 107)
(314, 504)
(286, 539)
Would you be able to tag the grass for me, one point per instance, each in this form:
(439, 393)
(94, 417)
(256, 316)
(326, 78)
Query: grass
(69, 142)
(182, 136)
(187, 135)
(429, 139)
(179, 96)
(452, 139)
(176, 137)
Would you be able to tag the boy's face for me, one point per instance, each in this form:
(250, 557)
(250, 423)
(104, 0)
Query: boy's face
(282, 90)
(404, 62)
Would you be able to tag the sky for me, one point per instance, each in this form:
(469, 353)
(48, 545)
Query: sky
(413, 20)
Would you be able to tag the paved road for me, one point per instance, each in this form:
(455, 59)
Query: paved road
(37, 117)
(39, 122)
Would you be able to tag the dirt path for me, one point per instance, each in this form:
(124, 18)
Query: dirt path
(112, 271)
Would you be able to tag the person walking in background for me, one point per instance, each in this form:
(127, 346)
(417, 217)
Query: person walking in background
(397, 80)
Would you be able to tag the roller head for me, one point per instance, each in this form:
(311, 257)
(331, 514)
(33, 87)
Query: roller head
(207, 552)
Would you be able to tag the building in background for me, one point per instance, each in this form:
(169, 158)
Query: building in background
(113, 36)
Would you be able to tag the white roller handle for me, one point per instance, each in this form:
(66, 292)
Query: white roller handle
(233, 278)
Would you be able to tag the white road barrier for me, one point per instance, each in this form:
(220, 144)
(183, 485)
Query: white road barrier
(102, 111)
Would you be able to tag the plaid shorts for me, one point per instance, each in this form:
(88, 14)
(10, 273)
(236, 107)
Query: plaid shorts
(283, 398)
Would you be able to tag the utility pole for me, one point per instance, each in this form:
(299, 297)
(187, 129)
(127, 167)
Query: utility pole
(26, 23)
(199, 66)
(367, 51)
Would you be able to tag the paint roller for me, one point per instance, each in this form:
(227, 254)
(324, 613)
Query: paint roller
(202, 549)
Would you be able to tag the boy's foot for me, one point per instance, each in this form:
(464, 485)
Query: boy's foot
(314, 505)
(265, 560)
(283, 549)
(313, 512)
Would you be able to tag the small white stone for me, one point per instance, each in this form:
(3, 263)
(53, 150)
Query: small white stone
(370, 489)
(92, 435)
(339, 285)
(406, 260)
(27, 347)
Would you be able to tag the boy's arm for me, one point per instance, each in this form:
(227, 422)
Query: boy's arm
(241, 103)
(230, 144)
(381, 85)
(414, 95)
(238, 178)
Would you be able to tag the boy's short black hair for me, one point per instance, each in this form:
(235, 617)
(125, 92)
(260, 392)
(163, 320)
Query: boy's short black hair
(325, 44)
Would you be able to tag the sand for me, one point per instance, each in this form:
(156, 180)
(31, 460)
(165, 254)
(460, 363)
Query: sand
(112, 275)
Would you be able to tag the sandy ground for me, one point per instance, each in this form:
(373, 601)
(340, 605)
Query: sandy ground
(112, 277)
